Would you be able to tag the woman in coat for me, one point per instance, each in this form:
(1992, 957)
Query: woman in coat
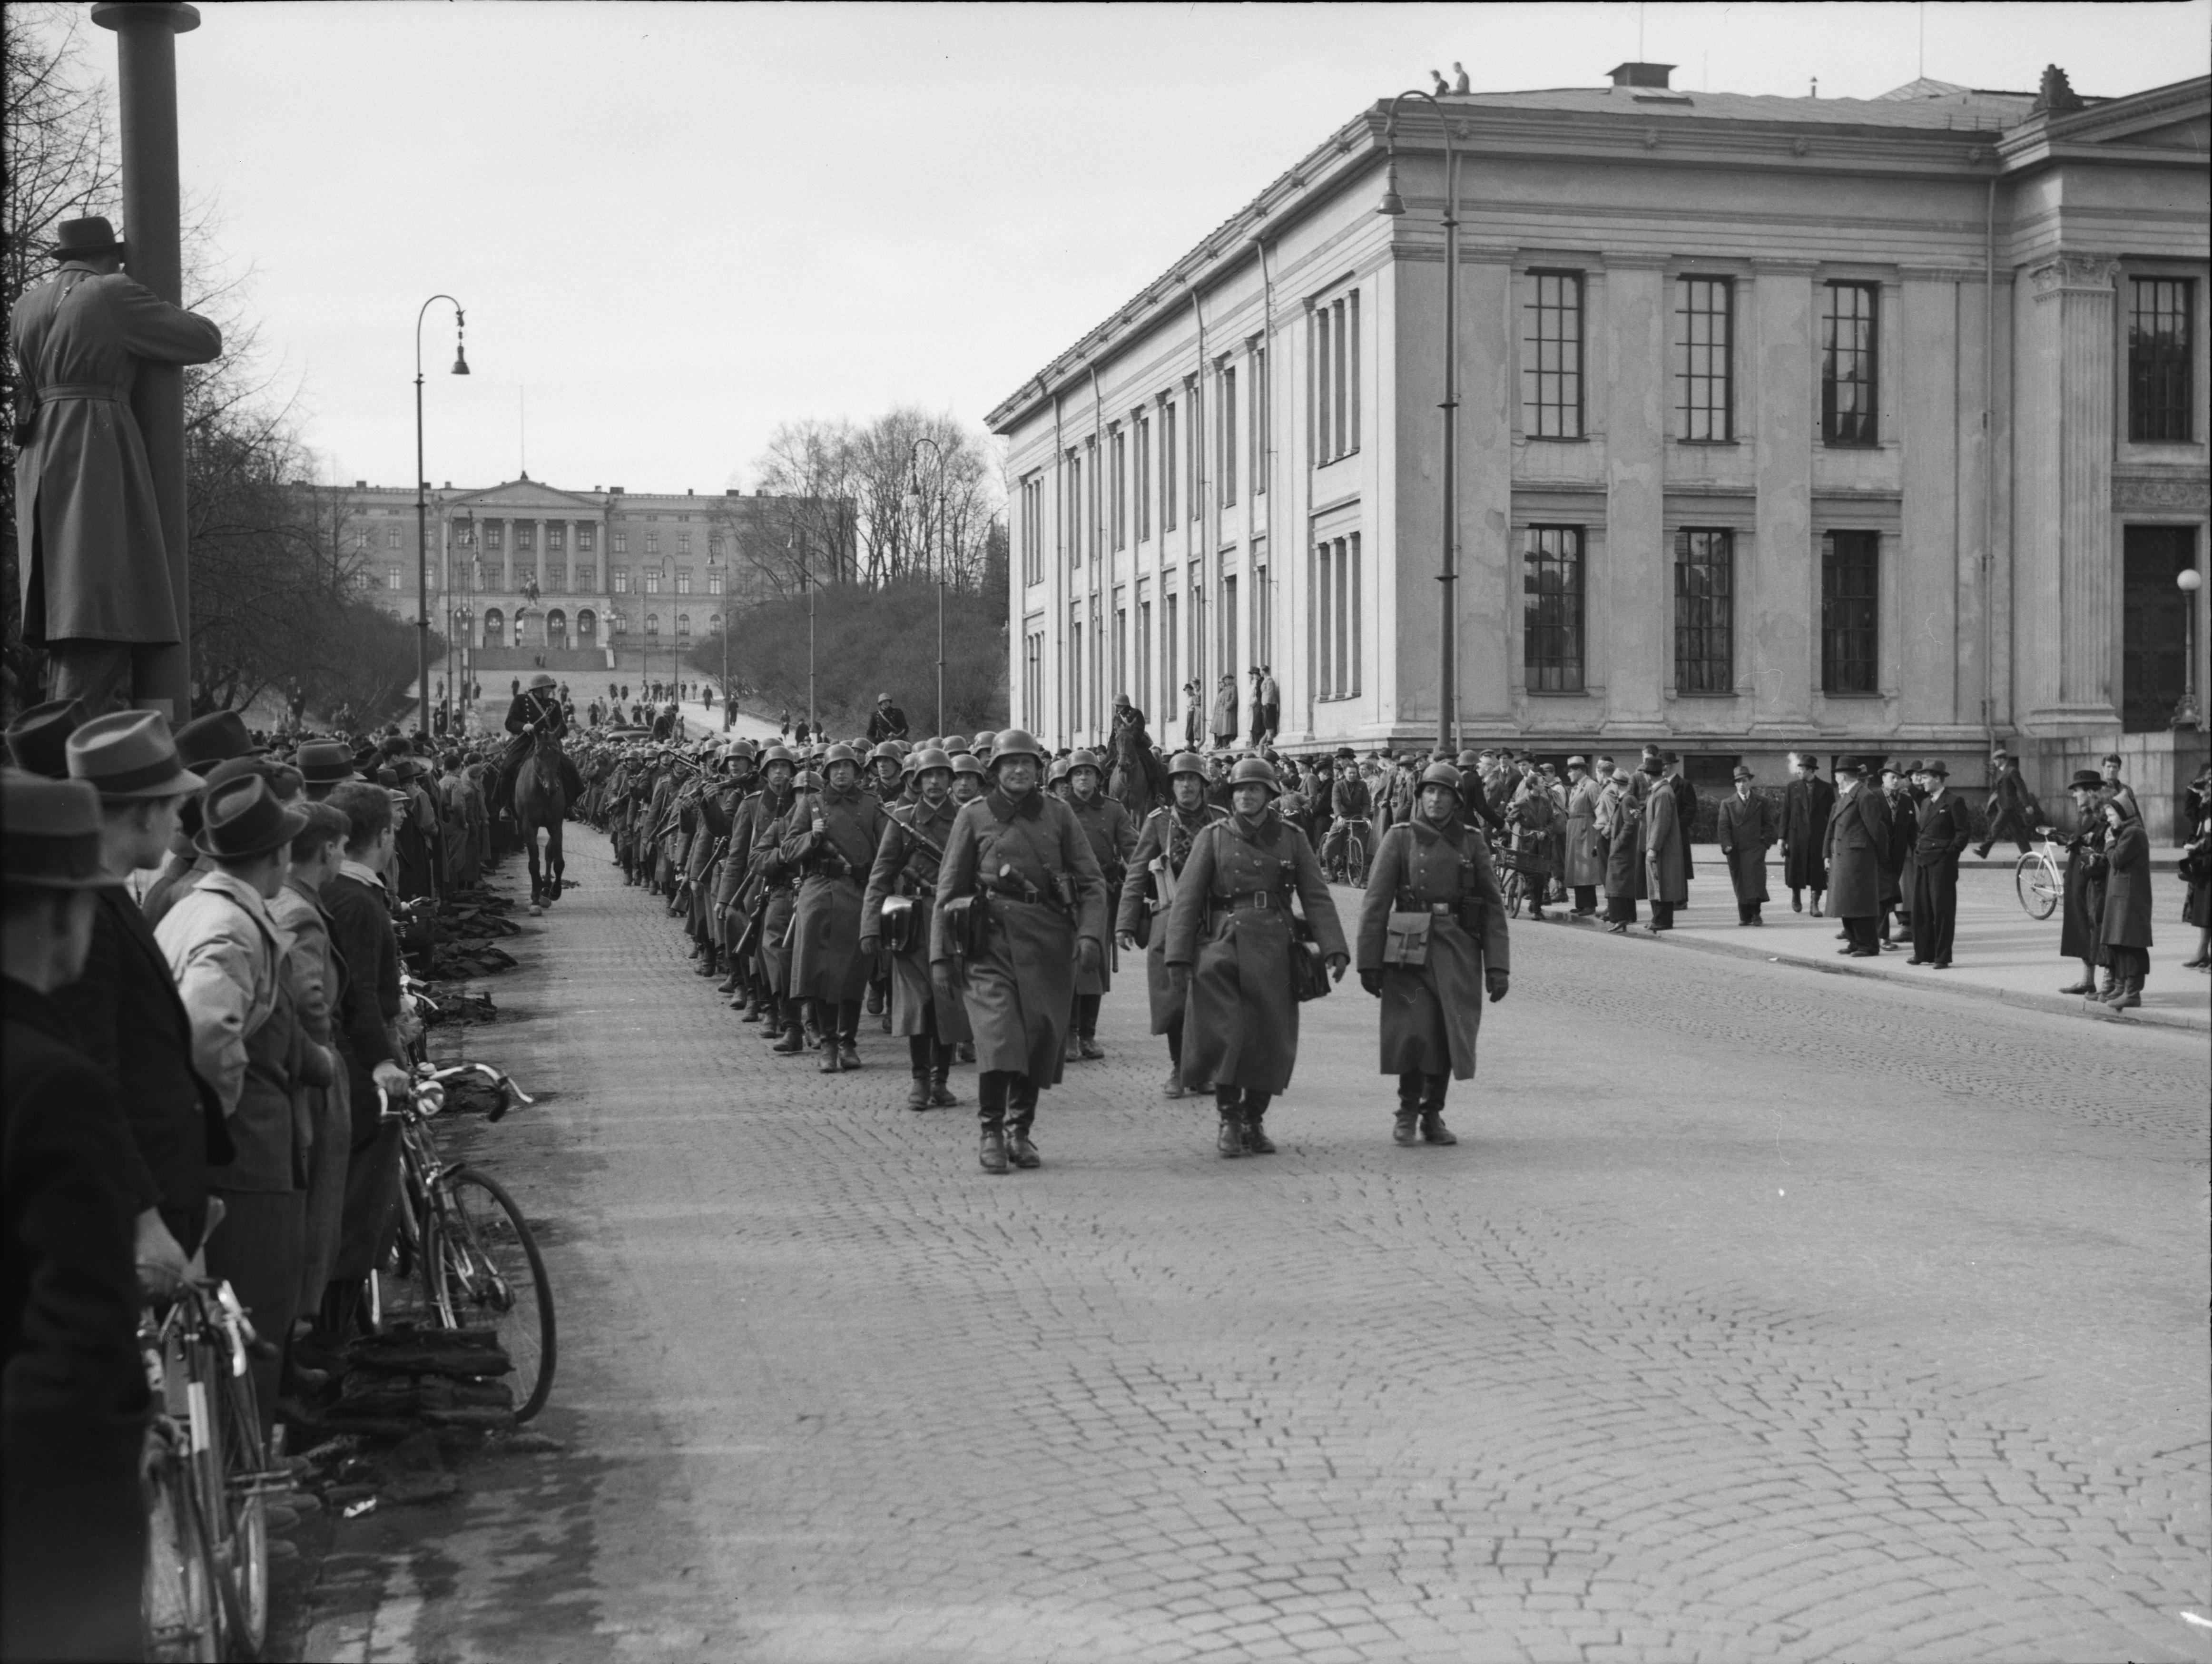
(1229, 942)
(1666, 848)
(923, 1008)
(1022, 856)
(2081, 909)
(830, 838)
(1620, 823)
(1585, 853)
(1162, 849)
(1432, 879)
(2127, 902)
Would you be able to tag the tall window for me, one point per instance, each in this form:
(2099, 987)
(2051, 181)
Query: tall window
(1093, 503)
(1263, 617)
(585, 575)
(391, 537)
(1118, 670)
(1033, 530)
(1171, 655)
(1168, 466)
(1143, 427)
(1706, 307)
(1850, 570)
(652, 581)
(1704, 611)
(683, 626)
(2155, 631)
(1552, 374)
(652, 623)
(525, 537)
(1075, 508)
(1121, 495)
(1141, 682)
(683, 580)
(1195, 482)
(1847, 363)
(714, 581)
(1229, 660)
(556, 538)
(392, 577)
(2159, 351)
(1075, 667)
(622, 542)
(1033, 679)
(1259, 423)
(619, 623)
(587, 539)
(1552, 609)
(494, 535)
(683, 543)
(1336, 377)
(1228, 427)
(619, 576)
(1336, 617)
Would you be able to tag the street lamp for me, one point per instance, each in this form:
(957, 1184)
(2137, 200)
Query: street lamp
(2186, 714)
(422, 508)
(914, 501)
(1393, 205)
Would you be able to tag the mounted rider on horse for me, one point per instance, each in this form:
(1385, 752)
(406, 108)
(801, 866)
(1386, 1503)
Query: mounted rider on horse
(537, 709)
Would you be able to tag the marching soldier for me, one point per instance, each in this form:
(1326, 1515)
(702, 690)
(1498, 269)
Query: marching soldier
(1105, 820)
(1432, 940)
(831, 838)
(1021, 859)
(779, 893)
(895, 917)
(1239, 1014)
(1149, 889)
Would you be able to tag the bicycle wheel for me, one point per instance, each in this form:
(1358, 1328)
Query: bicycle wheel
(1355, 861)
(399, 1288)
(2037, 884)
(177, 1604)
(490, 1275)
(241, 1527)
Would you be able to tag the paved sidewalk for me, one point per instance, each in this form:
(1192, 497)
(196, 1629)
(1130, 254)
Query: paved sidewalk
(2001, 952)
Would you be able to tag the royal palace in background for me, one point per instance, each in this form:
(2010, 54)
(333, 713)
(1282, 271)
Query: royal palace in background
(1852, 425)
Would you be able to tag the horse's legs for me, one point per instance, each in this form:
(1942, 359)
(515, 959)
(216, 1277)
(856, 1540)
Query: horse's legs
(555, 865)
(537, 884)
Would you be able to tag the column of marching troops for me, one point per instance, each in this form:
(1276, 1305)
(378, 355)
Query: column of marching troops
(976, 898)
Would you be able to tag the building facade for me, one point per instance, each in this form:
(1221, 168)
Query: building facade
(1848, 425)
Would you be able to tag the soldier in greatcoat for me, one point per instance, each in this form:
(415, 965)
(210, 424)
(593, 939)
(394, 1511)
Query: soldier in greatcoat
(95, 564)
(1024, 858)
(1666, 848)
(831, 839)
(1106, 822)
(1858, 831)
(1746, 834)
(778, 890)
(1432, 942)
(1230, 941)
(922, 1006)
(2082, 915)
(1148, 890)
(1805, 803)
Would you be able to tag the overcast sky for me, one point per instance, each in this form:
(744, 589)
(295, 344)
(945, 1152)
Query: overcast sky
(677, 225)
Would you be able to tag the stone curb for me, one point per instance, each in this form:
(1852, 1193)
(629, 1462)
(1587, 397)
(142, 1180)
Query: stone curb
(2058, 1004)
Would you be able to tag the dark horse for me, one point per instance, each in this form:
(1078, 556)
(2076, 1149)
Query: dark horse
(1134, 773)
(541, 798)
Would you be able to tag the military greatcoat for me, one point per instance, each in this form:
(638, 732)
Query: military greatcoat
(905, 865)
(1232, 925)
(1165, 838)
(825, 943)
(1431, 1012)
(1020, 991)
(1112, 834)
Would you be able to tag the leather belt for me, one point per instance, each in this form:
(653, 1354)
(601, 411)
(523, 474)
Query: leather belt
(60, 391)
(1250, 900)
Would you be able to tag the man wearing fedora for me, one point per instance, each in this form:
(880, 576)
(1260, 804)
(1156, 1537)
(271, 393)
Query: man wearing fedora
(1945, 831)
(125, 1006)
(95, 567)
(1857, 832)
(73, 1415)
(2012, 810)
(1745, 827)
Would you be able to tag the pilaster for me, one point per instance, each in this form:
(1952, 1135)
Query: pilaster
(1778, 602)
(1925, 648)
(1486, 558)
(1631, 592)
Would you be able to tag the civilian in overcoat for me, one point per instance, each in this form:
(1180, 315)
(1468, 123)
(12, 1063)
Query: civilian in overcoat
(1231, 935)
(1020, 851)
(1745, 827)
(1666, 849)
(1620, 823)
(2081, 914)
(831, 837)
(1434, 868)
(1155, 869)
(1858, 832)
(1946, 828)
(95, 564)
(1807, 804)
(1585, 853)
(2127, 899)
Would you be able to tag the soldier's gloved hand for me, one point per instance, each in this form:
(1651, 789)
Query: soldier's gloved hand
(1372, 981)
(1127, 940)
(1497, 982)
(1337, 964)
(872, 947)
(1087, 955)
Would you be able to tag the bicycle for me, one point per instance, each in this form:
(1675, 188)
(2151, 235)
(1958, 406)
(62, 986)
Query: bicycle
(464, 1249)
(1354, 857)
(208, 1481)
(2035, 876)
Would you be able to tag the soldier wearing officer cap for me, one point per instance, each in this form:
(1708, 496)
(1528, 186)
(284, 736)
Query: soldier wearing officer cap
(1113, 835)
(1229, 942)
(1432, 940)
(1022, 859)
(1148, 890)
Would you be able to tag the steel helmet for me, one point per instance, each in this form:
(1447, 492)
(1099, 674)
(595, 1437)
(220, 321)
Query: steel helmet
(1017, 743)
(1256, 771)
(1187, 763)
(778, 754)
(808, 781)
(954, 744)
(1443, 774)
(1058, 772)
(968, 763)
(744, 748)
(1469, 760)
(888, 751)
(928, 758)
(1079, 758)
(841, 753)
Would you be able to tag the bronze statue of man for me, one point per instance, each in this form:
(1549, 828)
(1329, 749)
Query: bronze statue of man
(95, 569)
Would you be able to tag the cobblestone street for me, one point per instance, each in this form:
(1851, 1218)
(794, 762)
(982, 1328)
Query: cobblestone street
(1760, 1315)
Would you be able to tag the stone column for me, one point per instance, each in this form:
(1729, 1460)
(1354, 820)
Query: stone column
(2065, 442)
(1922, 660)
(1779, 597)
(1487, 557)
(1632, 590)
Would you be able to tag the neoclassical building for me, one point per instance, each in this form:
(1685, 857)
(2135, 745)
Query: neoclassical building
(1849, 424)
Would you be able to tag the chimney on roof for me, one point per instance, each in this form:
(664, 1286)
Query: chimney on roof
(361, 485)
(1641, 75)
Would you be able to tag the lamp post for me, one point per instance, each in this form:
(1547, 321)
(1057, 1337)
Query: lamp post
(798, 553)
(2187, 714)
(930, 544)
(1392, 205)
(464, 624)
(422, 507)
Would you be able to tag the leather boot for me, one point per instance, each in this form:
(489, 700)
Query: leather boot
(831, 1062)
(917, 1096)
(2129, 994)
(1257, 1141)
(941, 1094)
(1020, 1151)
(1404, 1129)
(1073, 1052)
(966, 1051)
(752, 1008)
(991, 1152)
(849, 1055)
(1087, 1048)
(731, 983)
(1174, 1087)
(2109, 988)
(1230, 1140)
(793, 1041)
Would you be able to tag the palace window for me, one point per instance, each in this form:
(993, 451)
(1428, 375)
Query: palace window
(619, 623)
(1336, 617)
(1847, 363)
(1706, 307)
(683, 626)
(1335, 379)
(1704, 611)
(652, 581)
(586, 539)
(584, 577)
(1258, 423)
(1552, 372)
(1033, 530)
(1144, 429)
(653, 543)
(683, 543)
(714, 581)
(1552, 609)
(619, 576)
(495, 535)
(683, 580)
(2159, 353)
(1850, 566)
(1168, 461)
(652, 623)
(391, 537)
(1118, 507)
(1228, 428)
(556, 538)
(392, 577)
(622, 542)
(526, 537)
